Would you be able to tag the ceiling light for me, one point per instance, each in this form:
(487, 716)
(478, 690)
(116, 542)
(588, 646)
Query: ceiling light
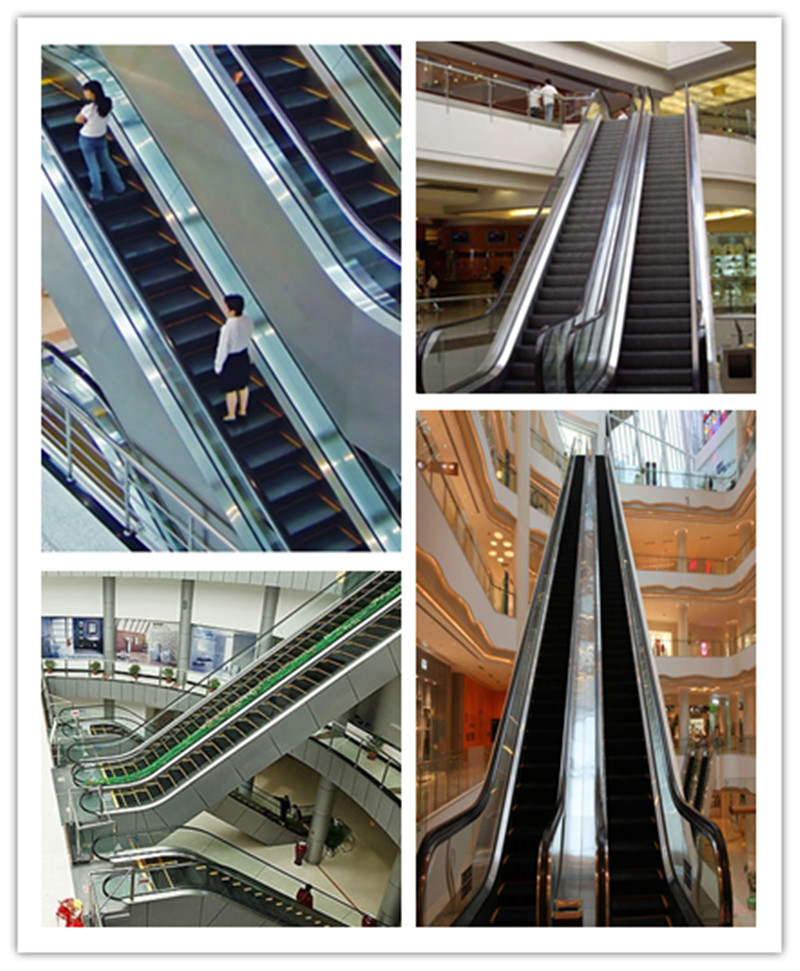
(507, 543)
(497, 535)
(492, 552)
(492, 542)
(727, 214)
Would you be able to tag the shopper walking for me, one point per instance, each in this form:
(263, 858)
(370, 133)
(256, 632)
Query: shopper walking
(93, 141)
(232, 361)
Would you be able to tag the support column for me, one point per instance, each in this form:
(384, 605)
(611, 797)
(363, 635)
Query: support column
(320, 821)
(109, 626)
(746, 531)
(269, 612)
(683, 630)
(747, 622)
(732, 631)
(185, 630)
(522, 532)
(683, 711)
(389, 911)
(749, 712)
(683, 563)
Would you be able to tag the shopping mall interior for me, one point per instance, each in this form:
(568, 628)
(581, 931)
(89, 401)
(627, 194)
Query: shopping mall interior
(640, 526)
(221, 749)
(500, 173)
(271, 173)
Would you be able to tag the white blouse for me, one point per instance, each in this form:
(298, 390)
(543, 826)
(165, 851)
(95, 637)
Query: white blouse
(95, 125)
(234, 336)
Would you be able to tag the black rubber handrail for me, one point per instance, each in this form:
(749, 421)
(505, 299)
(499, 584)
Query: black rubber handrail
(444, 832)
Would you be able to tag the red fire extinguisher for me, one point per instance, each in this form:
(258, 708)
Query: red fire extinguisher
(367, 921)
(300, 848)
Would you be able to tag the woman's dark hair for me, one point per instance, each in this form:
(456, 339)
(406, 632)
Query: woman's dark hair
(101, 99)
(235, 303)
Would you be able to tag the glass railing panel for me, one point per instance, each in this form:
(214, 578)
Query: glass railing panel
(499, 592)
(727, 120)
(368, 752)
(369, 92)
(443, 779)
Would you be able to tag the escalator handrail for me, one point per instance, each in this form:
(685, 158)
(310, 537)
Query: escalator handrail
(276, 109)
(355, 108)
(235, 710)
(147, 467)
(377, 525)
(619, 275)
(547, 203)
(645, 668)
(704, 354)
(544, 871)
(84, 375)
(567, 169)
(285, 644)
(605, 249)
(514, 709)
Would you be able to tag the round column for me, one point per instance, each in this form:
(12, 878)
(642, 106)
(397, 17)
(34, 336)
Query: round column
(389, 911)
(109, 625)
(747, 622)
(522, 543)
(320, 821)
(185, 630)
(683, 711)
(683, 630)
(683, 563)
(269, 612)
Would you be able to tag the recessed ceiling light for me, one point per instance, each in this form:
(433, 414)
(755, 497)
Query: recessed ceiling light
(498, 535)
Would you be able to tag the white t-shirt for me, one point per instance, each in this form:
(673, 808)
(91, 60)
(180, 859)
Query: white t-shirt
(95, 125)
(548, 93)
(234, 336)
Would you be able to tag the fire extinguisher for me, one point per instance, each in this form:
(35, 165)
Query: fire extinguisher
(300, 848)
(367, 921)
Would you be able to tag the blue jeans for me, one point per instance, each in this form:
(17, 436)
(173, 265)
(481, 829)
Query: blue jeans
(96, 156)
(548, 112)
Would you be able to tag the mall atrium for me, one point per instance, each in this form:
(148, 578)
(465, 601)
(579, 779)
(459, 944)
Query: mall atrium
(653, 550)
(221, 749)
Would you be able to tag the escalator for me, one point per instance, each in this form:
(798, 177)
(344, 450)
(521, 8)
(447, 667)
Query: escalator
(325, 129)
(622, 302)
(639, 891)
(227, 738)
(288, 480)
(513, 900)
(656, 351)
(563, 284)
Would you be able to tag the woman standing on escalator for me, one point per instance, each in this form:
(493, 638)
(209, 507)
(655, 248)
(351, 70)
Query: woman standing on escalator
(94, 143)
(232, 361)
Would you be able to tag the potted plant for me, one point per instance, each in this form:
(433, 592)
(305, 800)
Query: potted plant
(95, 667)
(213, 684)
(337, 831)
(134, 671)
(49, 666)
(373, 746)
(169, 675)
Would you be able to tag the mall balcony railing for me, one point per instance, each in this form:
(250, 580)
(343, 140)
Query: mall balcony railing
(672, 563)
(733, 744)
(697, 647)
(297, 819)
(505, 469)
(727, 120)
(442, 779)
(456, 81)
(500, 595)
(667, 479)
(374, 756)
(143, 498)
